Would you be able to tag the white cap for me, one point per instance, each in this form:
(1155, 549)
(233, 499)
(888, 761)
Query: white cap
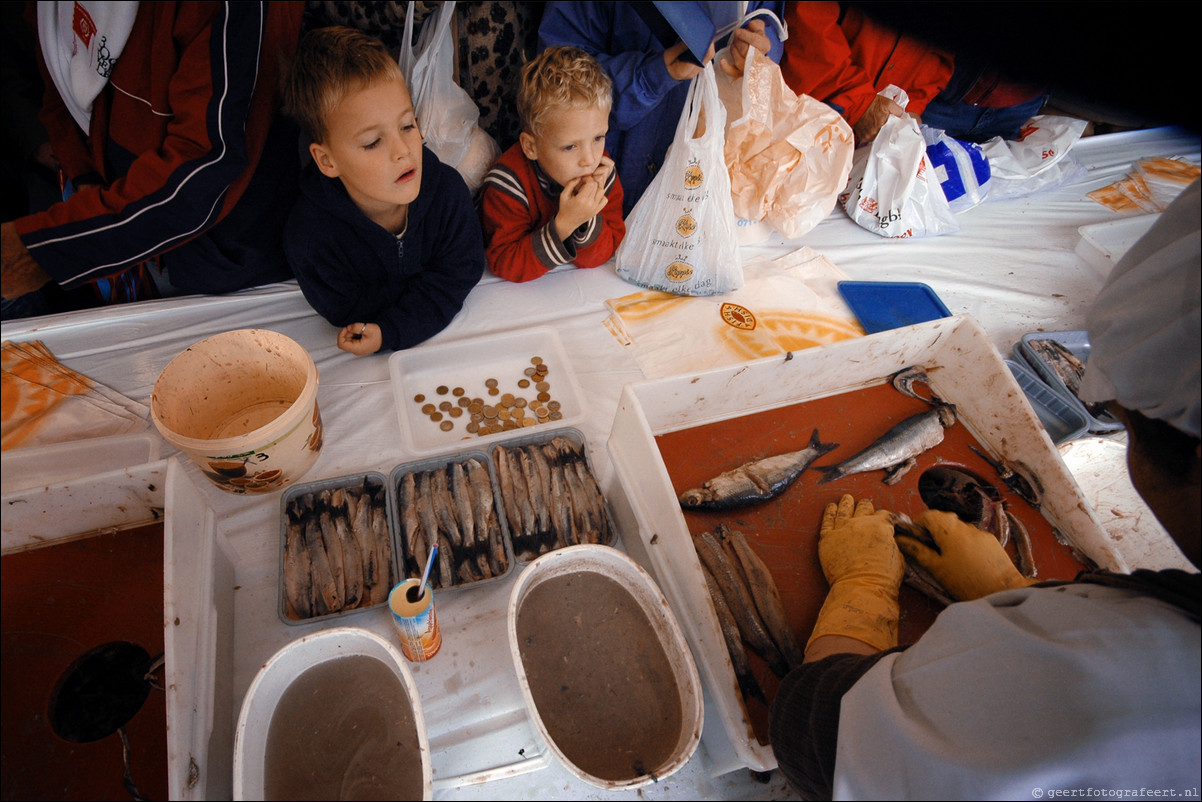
(1144, 328)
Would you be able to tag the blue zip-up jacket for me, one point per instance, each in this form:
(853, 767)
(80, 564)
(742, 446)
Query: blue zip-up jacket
(353, 270)
(647, 101)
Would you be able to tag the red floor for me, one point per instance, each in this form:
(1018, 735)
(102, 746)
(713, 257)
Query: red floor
(59, 602)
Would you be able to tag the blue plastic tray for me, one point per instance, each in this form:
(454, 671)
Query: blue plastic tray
(1064, 419)
(884, 305)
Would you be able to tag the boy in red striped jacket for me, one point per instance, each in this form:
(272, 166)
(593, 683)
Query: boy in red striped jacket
(554, 197)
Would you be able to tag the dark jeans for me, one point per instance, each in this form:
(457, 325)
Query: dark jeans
(978, 124)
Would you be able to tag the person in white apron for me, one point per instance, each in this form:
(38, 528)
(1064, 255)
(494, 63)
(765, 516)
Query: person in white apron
(1023, 691)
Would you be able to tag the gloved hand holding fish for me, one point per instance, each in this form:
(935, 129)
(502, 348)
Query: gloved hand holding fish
(862, 563)
(968, 562)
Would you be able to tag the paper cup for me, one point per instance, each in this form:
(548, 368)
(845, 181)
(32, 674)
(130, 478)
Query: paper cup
(415, 620)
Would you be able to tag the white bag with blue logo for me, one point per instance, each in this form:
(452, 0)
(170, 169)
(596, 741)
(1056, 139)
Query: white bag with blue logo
(961, 167)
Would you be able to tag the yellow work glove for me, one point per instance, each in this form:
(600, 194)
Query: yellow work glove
(864, 568)
(967, 561)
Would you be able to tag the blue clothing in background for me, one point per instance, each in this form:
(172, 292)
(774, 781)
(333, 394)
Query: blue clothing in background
(978, 123)
(647, 101)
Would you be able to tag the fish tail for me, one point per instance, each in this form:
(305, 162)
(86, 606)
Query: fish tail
(819, 446)
(829, 473)
(750, 687)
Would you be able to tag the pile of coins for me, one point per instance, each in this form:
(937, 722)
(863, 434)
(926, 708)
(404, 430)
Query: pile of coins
(502, 411)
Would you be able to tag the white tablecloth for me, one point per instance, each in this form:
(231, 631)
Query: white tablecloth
(1012, 267)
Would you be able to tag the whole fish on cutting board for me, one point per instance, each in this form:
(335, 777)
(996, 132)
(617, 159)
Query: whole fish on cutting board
(762, 588)
(756, 481)
(896, 450)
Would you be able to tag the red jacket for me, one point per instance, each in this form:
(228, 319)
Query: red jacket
(845, 61)
(518, 206)
(175, 136)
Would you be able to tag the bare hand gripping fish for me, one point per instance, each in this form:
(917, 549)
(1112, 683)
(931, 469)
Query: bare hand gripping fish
(754, 482)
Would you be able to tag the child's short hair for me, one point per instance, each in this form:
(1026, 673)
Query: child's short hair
(561, 76)
(329, 63)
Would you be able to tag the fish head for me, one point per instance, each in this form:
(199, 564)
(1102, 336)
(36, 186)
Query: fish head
(947, 414)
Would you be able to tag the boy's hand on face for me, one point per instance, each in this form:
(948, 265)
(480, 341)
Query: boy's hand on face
(361, 339)
(581, 200)
(601, 174)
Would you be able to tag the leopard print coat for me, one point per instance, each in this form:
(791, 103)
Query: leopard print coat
(494, 40)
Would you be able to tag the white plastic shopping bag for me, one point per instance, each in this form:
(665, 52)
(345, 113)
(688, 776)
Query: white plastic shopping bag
(680, 236)
(892, 190)
(446, 114)
(1039, 159)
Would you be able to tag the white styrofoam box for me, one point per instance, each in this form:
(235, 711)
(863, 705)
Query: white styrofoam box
(278, 674)
(613, 564)
(964, 368)
(75, 490)
(25, 468)
(1102, 245)
(467, 364)
(198, 616)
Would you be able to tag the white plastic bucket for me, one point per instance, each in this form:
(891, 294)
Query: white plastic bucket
(278, 674)
(243, 406)
(611, 564)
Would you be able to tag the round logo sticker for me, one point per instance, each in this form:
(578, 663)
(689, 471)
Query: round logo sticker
(737, 316)
(693, 176)
(686, 225)
(679, 271)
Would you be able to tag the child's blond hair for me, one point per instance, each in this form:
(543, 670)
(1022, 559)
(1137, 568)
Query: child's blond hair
(561, 77)
(330, 63)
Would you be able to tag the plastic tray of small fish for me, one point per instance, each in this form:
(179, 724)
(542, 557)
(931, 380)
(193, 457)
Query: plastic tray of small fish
(1059, 358)
(451, 500)
(337, 550)
(549, 493)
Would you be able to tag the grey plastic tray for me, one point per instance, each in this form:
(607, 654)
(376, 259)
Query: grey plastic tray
(375, 479)
(1063, 419)
(1077, 343)
(577, 438)
(409, 566)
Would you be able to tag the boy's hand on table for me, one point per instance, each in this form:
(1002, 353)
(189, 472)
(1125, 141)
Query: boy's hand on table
(361, 339)
(581, 200)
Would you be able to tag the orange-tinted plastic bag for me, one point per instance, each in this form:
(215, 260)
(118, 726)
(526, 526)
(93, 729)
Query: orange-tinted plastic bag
(788, 155)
